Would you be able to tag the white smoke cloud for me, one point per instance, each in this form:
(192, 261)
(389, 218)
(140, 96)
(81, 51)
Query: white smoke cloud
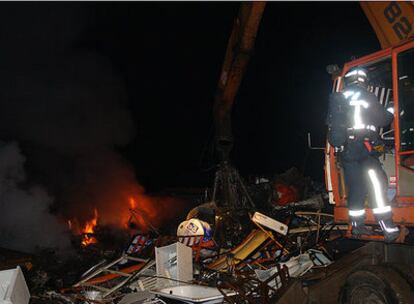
(66, 104)
(26, 223)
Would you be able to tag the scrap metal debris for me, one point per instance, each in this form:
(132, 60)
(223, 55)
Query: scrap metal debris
(231, 248)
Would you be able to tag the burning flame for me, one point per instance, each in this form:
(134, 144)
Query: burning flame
(131, 211)
(122, 203)
(89, 229)
(132, 203)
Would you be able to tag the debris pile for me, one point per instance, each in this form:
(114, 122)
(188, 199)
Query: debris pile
(232, 248)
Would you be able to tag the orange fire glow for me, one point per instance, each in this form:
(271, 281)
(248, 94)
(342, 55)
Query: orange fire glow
(89, 230)
(132, 203)
(141, 212)
(132, 216)
(126, 207)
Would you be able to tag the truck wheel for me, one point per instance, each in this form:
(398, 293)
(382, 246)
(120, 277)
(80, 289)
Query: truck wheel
(375, 285)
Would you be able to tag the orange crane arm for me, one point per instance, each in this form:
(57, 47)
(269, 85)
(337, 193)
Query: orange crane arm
(239, 49)
(392, 20)
(238, 53)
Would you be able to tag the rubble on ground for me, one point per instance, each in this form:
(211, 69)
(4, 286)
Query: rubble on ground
(232, 248)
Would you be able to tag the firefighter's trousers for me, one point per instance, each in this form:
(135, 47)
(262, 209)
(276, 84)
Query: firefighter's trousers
(364, 176)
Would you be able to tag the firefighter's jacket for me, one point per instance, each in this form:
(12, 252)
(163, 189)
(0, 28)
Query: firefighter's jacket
(355, 115)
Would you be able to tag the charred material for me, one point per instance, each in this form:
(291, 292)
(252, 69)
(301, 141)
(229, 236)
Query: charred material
(229, 190)
(251, 290)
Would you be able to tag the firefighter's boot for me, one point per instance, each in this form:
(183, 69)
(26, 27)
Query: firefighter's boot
(358, 226)
(390, 230)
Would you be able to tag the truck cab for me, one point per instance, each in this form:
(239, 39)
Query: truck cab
(391, 79)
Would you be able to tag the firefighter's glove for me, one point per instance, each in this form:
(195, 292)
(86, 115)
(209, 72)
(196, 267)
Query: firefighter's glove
(378, 148)
(339, 149)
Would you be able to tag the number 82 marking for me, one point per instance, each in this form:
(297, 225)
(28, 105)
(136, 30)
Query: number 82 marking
(400, 24)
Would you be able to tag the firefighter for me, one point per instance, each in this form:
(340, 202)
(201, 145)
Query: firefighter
(354, 118)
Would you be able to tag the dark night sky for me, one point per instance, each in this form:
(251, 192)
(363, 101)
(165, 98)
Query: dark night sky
(169, 56)
(174, 53)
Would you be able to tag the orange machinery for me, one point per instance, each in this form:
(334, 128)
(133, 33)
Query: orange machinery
(239, 49)
(391, 79)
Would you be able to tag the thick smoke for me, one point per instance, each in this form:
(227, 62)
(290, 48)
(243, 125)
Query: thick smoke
(25, 222)
(66, 106)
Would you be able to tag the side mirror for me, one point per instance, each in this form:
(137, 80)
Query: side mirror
(333, 69)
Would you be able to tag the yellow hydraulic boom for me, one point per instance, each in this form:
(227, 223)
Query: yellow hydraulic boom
(392, 20)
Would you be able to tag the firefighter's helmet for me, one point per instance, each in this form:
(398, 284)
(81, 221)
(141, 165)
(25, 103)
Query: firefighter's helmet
(356, 76)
